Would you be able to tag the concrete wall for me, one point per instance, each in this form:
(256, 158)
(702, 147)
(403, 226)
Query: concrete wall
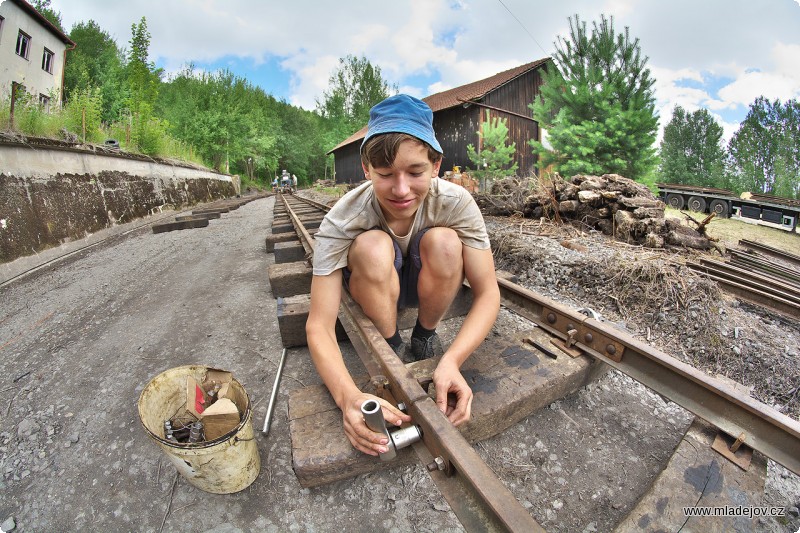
(29, 71)
(51, 192)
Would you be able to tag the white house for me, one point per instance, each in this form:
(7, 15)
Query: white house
(32, 53)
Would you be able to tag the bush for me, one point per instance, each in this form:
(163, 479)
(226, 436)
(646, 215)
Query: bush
(83, 114)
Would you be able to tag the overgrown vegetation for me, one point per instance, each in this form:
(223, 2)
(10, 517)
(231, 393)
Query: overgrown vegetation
(211, 118)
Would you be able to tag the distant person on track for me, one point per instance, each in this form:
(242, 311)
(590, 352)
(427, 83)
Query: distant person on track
(286, 182)
(404, 239)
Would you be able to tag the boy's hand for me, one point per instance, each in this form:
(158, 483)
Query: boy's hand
(449, 382)
(360, 436)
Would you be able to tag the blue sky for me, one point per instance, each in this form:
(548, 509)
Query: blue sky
(716, 54)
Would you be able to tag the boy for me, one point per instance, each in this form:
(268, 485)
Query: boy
(403, 239)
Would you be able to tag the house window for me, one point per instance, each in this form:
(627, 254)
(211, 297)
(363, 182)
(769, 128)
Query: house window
(47, 61)
(44, 102)
(23, 44)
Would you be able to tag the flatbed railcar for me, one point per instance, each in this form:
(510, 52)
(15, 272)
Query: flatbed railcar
(764, 209)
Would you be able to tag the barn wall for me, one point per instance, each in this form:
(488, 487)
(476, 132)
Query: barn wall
(347, 161)
(516, 96)
(455, 129)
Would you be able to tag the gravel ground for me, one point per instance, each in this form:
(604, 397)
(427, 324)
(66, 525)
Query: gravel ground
(80, 338)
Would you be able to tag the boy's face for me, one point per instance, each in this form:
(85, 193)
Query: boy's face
(401, 188)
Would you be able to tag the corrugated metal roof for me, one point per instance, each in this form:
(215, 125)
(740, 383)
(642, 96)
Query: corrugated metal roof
(456, 96)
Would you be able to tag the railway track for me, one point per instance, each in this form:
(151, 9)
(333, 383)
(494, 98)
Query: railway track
(759, 274)
(559, 337)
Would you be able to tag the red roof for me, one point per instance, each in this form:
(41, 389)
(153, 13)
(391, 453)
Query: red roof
(455, 97)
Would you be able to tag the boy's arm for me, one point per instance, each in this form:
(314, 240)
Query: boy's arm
(326, 293)
(479, 271)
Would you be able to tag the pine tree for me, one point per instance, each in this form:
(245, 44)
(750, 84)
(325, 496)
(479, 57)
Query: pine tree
(598, 106)
(691, 151)
(147, 131)
(143, 77)
(496, 155)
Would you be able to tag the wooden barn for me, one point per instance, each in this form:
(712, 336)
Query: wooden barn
(458, 114)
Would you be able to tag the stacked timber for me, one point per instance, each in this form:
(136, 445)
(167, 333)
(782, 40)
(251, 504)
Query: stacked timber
(609, 203)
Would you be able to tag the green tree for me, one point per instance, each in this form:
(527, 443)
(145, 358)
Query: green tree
(765, 150)
(96, 62)
(692, 152)
(46, 10)
(496, 155)
(598, 107)
(146, 130)
(143, 77)
(354, 88)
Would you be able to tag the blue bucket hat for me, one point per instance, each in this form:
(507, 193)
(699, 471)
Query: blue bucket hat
(402, 114)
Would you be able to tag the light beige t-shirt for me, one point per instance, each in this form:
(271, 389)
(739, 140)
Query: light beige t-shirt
(447, 205)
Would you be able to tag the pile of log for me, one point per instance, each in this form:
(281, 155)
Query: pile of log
(609, 203)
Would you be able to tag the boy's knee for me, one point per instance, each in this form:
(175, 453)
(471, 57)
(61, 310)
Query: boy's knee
(441, 244)
(373, 251)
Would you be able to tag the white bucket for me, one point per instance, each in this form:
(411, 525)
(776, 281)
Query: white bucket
(224, 465)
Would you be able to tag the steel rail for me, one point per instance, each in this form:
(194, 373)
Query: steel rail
(749, 278)
(745, 260)
(302, 232)
(758, 298)
(771, 252)
(441, 438)
(309, 201)
(489, 505)
(772, 433)
(785, 304)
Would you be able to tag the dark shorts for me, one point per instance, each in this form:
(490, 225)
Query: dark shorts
(407, 269)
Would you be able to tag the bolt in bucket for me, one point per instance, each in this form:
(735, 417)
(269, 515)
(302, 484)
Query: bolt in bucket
(224, 465)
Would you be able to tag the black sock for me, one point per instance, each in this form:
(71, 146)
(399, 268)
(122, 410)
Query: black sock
(422, 333)
(395, 340)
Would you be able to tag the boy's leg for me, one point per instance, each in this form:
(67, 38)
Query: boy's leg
(373, 280)
(439, 279)
(441, 275)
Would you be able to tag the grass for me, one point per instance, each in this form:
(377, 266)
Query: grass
(336, 192)
(730, 231)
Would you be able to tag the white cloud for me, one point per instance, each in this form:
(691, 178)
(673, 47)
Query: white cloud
(753, 84)
(310, 78)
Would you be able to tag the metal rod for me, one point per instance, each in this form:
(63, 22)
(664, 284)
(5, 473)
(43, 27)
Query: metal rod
(373, 417)
(274, 394)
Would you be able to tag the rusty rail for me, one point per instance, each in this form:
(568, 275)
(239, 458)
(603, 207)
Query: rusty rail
(752, 287)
